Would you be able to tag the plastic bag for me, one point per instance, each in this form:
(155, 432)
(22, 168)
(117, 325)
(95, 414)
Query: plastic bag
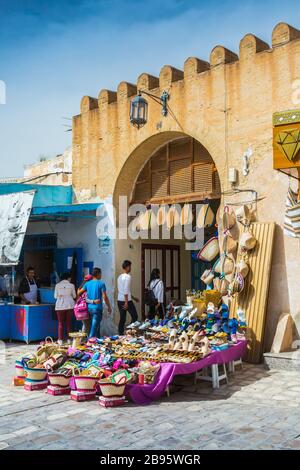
(107, 325)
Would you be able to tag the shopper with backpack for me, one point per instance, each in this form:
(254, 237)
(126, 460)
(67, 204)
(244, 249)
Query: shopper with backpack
(154, 295)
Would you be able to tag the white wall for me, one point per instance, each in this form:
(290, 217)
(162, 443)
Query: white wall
(81, 233)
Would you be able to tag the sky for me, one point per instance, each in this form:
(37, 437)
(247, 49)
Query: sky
(54, 52)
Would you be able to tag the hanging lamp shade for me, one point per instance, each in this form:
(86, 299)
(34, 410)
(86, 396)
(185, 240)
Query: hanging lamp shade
(138, 111)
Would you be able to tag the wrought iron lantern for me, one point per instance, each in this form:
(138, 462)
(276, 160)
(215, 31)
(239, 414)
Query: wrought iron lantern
(138, 111)
(139, 107)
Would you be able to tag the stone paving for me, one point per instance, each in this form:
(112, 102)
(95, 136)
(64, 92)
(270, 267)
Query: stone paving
(258, 409)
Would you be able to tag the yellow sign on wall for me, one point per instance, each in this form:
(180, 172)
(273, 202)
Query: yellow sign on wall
(286, 139)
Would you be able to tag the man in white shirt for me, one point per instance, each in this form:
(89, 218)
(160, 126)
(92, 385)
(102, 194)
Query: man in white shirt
(65, 296)
(125, 298)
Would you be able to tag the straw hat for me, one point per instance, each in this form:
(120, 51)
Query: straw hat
(225, 264)
(186, 215)
(243, 268)
(228, 219)
(173, 217)
(221, 285)
(147, 220)
(210, 250)
(229, 244)
(161, 215)
(243, 214)
(247, 240)
(237, 285)
(205, 216)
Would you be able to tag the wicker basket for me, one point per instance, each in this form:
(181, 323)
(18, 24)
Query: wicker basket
(19, 368)
(200, 305)
(85, 382)
(59, 380)
(35, 373)
(213, 296)
(109, 389)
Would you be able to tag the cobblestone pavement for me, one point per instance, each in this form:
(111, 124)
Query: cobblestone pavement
(259, 409)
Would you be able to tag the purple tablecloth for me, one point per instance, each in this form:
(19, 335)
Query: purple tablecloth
(144, 394)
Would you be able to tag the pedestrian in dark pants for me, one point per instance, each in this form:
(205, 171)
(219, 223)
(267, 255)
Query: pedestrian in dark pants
(125, 298)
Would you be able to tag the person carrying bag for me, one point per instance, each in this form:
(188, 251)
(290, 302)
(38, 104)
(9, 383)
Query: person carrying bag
(154, 295)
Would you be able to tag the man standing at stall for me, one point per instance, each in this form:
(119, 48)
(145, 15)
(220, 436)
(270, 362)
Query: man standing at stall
(28, 289)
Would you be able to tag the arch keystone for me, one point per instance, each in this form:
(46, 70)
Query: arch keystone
(251, 45)
(193, 66)
(147, 82)
(221, 55)
(283, 33)
(106, 97)
(88, 103)
(168, 75)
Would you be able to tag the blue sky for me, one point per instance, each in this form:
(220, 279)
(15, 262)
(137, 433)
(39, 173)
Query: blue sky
(54, 52)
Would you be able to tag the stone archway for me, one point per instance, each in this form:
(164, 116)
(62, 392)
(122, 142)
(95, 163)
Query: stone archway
(125, 186)
(129, 172)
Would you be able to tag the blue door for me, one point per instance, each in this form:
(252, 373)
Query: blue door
(65, 258)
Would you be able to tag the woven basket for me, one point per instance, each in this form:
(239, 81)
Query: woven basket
(109, 389)
(200, 305)
(19, 369)
(85, 382)
(35, 374)
(60, 380)
(212, 296)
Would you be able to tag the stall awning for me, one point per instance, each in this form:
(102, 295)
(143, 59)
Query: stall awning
(66, 210)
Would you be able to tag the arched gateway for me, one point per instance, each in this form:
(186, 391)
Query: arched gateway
(176, 170)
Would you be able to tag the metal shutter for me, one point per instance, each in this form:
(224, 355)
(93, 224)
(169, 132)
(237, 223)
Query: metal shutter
(201, 155)
(180, 177)
(159, 184)
(203, 178)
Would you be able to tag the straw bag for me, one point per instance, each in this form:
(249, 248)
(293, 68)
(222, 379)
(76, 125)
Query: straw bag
(208, 276)
(60, 379)
(205, 216)
(35, 374)
(224, 265)
(212, 296)
(85, 382)
(243, 268)
(247, 240)
(221, 285)
(200, 305)
(229, 244)
(237, 285)
(243, 214)
(109, 389)
(186, 216)
(210, 250)
(19, 368)
(228, 218)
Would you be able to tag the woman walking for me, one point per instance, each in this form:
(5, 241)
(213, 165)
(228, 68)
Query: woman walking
(156, 285)
(65, 296)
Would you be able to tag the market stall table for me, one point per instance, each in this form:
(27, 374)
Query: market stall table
(145, 394)
(5, 321)
(32, 322)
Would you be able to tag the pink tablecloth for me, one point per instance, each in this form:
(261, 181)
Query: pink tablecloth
(145, 394)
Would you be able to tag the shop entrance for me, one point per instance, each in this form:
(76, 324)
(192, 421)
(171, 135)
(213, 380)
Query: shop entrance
(169, 169)
(167, 259)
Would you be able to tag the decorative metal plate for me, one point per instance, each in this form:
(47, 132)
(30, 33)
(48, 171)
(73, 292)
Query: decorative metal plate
(286, 117)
